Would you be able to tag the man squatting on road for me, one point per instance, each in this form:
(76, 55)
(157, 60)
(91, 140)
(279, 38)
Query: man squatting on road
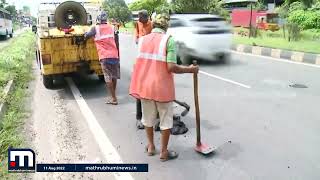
(104, 37)
(142, 28)
(152, 82)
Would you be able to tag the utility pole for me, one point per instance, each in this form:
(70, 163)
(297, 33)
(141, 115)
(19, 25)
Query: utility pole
(250, 24)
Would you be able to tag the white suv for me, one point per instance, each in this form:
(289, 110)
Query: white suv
(202, 36)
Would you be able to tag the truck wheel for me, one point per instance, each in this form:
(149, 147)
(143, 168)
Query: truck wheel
(183, 55)
(47, 81)
(5, 37)
(101, 78)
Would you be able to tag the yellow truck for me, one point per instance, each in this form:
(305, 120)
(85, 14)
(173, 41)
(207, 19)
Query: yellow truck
(61, 47)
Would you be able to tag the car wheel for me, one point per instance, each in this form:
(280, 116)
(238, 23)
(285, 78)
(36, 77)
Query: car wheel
(5, 37)
(225, 58)
(186, 59)
(11, 35)
(179, 60)
(183, 55)
(37, 57)
(47, 81)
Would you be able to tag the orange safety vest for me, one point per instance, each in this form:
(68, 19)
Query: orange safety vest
(150, 78)
(105, 42)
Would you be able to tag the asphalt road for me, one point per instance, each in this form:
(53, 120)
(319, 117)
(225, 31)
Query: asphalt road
(261, 127)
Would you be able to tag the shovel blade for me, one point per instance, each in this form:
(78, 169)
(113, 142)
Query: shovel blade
(204, 149)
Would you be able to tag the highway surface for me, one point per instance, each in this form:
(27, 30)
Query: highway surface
(261, 127)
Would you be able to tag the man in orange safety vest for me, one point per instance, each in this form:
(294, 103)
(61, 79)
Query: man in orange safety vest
(152, 82)
(104, 36)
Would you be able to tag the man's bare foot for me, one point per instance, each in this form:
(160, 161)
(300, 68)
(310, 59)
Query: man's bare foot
(151, 150)
(168, 155)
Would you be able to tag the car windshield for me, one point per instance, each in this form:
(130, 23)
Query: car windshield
(273, 20)
(174, 23)
(208, 22)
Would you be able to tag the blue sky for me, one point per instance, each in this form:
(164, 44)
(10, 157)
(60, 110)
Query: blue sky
(33, 4)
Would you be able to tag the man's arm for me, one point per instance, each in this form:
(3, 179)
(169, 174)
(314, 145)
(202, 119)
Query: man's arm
(136, 32)
(172, 60)
(178, 69)
(90, 33)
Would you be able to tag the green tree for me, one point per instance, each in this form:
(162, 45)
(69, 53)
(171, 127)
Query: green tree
(3, 3)
(118, 10)
(136, 5)
(316, 6)
(191, 6)
(216, 7)
(165, 8)
(283, 11)
(295, 6)
(306, 3)
(149, 5)
(292, 5)
(259, 5)
(26, 9)
(12, 10)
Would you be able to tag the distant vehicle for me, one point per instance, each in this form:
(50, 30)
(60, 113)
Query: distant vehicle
(6, 28)
(135, 15)
(34, 29)
(261, 19)
(202, 36)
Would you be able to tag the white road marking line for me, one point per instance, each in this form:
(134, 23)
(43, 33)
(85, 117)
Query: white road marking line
(226, 80)
(278, 59)
(109, 151)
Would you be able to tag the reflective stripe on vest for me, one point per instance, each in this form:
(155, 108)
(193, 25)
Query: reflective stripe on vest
(98, 36)
(160, 55)
(105, 42)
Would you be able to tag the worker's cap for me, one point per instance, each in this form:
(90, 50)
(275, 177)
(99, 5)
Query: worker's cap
(143, 14)
(103, 16)
(162, 20)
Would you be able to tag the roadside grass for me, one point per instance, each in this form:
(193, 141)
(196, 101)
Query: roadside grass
(16, 61)
(16, 26)
(280, 43)
(13, 55)
(129, 27)
(309, 41)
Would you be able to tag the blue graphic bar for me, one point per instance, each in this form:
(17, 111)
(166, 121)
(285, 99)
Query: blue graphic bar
(92, 168)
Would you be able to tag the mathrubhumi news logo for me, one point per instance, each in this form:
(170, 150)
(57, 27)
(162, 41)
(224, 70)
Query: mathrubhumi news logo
(21, 160)
(24, 161)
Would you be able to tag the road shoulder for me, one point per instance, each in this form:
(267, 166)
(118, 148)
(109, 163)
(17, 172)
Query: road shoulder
(58, 133)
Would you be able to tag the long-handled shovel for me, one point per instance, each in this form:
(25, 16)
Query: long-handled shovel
(200, 147)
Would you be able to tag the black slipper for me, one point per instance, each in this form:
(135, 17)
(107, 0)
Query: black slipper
(139, 124)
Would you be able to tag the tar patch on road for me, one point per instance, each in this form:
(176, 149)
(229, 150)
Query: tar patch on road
(298, 86)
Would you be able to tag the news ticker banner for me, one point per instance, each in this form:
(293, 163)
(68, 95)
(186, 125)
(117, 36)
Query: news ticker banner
(23, 161)
(92, 168)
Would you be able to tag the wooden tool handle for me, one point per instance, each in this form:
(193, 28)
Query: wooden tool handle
(196, 102)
